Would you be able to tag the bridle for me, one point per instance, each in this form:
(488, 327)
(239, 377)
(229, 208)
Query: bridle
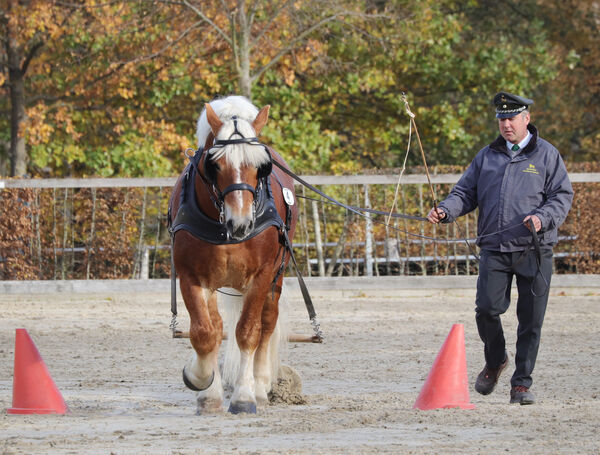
(217, 195)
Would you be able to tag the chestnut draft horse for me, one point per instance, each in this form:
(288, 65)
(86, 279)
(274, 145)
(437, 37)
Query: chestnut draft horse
(233, 217)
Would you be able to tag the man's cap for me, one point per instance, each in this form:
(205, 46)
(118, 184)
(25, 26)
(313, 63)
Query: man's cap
(509, 105)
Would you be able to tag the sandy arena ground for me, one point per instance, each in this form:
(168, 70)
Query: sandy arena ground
(119, 370)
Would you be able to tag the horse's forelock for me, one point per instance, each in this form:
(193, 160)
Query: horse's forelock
(226, 108)
(237, 154)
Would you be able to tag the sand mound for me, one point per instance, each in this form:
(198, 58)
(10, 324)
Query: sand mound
(288, 387)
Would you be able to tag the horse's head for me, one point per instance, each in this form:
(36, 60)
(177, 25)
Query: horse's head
(235, 164)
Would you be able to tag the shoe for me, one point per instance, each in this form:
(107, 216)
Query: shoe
(488, 378)
(521, 394)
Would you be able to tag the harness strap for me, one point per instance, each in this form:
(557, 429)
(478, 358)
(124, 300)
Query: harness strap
(173, 325)
(367, 210)
(307, 300)
(538, 260)
(535, 245)
(238, 187)
(316, 190)
(243, 140)
(312, 314)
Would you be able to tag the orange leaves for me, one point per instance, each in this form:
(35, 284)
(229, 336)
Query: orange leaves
(43, 123)
(125, 93)
(37, 129)
(17, 234)
(165, 134)
(210, 78)
(26, 19)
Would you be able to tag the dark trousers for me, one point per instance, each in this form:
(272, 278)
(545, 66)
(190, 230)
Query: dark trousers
(496, 271)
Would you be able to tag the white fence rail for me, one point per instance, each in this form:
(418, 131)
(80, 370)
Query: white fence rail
(141, 182)
(368, 255)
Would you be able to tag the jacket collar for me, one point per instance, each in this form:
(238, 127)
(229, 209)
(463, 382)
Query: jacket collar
(499, 145)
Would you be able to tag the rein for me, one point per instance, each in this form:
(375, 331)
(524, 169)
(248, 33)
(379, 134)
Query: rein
(361, 211)
(364, 211)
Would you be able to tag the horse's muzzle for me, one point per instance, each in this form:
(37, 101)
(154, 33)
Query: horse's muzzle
(241, 229)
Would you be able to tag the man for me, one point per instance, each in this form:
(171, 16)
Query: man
(517, 181)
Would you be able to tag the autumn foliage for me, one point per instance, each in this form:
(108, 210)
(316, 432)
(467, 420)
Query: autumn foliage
(80, 233)
(114, 88)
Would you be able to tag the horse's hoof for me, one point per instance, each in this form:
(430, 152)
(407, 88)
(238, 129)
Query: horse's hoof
(191, 386)
(247, 407)
(208, 406)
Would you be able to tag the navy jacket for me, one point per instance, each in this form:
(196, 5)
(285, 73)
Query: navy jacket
(535, 182)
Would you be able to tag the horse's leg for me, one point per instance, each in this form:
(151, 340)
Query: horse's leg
(201, 373)
(248, 334)
(266, 355)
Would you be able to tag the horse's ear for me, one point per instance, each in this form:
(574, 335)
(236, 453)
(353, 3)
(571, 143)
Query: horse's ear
(261, 119)
(213, 120)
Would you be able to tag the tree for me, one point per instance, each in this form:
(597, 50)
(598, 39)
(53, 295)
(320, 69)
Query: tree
(571, 112)
(449, 65)
(89, 69)
(260, 34)
(114, 88)
(25, 27)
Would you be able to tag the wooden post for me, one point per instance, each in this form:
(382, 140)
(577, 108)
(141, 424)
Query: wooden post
(435, 250)
(123, 220)
(368, 236)
(304, 231)
(423, 264)
(145, 265)
(54, 230)
(72, 212)
(91, 240)
(318, 240)
(63, 270)
(139, 253)
(357, 246)
(454, 252)
(158, 225)
(447, 260)
(405, 265)
(36, 212)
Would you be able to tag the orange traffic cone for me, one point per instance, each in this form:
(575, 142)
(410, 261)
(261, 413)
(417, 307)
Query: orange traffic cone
(447, 386)
(34, 391)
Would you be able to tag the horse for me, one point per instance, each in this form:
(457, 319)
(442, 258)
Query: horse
(231, 215)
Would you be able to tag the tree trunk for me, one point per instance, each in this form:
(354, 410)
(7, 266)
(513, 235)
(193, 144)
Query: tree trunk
(244, 80)
(17, 153)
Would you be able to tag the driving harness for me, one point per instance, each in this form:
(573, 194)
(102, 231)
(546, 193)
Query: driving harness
(191, 218)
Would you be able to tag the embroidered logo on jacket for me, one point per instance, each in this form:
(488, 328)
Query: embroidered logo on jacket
(531, 170)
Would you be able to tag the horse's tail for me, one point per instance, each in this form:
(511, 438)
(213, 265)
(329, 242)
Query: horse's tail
(231, 308)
